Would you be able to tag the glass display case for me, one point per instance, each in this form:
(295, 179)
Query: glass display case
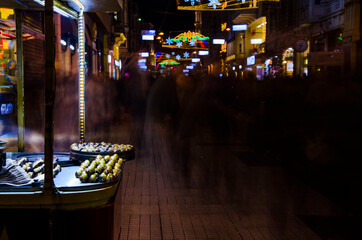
(68, 194)
(8, 68)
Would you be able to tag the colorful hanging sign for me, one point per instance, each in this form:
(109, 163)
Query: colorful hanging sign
(187, 40)
(12, 65)
(4, 45)
(219, 5)
(169, 62)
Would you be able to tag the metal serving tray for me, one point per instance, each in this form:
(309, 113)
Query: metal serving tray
(65, 180)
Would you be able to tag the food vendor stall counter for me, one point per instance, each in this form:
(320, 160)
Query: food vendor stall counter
(81, 209)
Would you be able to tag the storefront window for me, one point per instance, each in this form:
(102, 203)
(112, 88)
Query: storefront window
(7, 72)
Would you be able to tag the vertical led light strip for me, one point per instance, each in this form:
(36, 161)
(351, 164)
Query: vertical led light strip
(67, 12)
(81, 54)
(81, 77)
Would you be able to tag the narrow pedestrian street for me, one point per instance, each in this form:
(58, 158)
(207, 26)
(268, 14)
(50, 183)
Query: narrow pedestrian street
(198, 179)
(180, 119)
(213, 195)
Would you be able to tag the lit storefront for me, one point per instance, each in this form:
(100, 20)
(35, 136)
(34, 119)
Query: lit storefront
(52, 189)
(288, 65)
(254, 47)
(7, 72)
(255, 66)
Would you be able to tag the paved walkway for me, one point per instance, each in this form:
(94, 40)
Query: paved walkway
(214, 194)
(200, 180)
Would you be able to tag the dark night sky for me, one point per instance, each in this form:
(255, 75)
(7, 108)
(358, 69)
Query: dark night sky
(163, 14)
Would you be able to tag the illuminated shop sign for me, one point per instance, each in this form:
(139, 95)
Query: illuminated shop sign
(144, 54)
(144, 68)
(148, 37)
(256, 41)
(195, 60)
(203, 52)
(223, 26)
(250, 60)
(231, 57)
(117, 63)
(189, 67)
(148, 32)
(218, 41)
(240, 27)
(6, 108)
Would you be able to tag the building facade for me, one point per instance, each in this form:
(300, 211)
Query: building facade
(300, 38)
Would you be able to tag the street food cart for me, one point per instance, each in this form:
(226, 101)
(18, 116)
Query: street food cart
(59, 195)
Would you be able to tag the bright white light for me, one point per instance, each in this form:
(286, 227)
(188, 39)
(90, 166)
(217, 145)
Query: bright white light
(185, 70)
(195, 60)
(79, 5)
(144, 54)
(143, 68)
(290, 66)
(256, 41)
(63, 42)
(240, 27)
(81, 73)
(240, 67)
(234, 68)
(109, 59)
(72, 182)
(62, 12)
(142, 62)
(71, 47)
(218, 41)
(189, 67)
(57, 10)
(220, 74)
(148, 37)
(203, 52)
(250, 60)
(116, 62)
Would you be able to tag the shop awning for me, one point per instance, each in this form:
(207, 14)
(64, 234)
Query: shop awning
(90, 5)
(246, 17)
(8, 30)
